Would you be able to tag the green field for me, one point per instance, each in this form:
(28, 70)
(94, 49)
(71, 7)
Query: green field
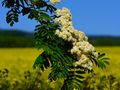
(18, 60)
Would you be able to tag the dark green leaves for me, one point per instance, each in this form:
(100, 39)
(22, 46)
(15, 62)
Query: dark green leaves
(39, 3)
(38, 15)
(50, 8)
(33, 14)
(45, 16)
(25, 11)
(102, 61)
(60, 64)
(12, 16)
(74, 79)
(36, 9)
(14, 6)
(42, 61)
(54, 47)
(8, 3)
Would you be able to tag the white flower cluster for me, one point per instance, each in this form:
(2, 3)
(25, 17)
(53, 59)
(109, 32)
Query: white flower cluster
(55, 1)
(81, 46)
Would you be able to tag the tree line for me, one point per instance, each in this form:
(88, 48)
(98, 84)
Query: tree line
(18, 38)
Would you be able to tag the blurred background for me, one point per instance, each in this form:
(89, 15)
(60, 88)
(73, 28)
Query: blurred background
(99, 19)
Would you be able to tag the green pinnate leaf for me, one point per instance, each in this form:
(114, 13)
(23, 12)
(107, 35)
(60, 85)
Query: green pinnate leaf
(42, 61)
(102, 61)
(25, 11)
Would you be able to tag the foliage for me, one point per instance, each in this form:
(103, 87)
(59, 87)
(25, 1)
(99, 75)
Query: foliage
(74, 79)
(31, 80)
(55, 50)
(105, 40)
(34, 81)
(101, 61)
(15, 38)
(35, 9)
(62, 66)
(105, 82)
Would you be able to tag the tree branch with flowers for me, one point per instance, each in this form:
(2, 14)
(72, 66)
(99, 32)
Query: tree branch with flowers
(66, 50)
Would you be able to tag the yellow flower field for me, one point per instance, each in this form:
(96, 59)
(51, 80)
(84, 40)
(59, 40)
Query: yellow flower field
(114, 54)
(18, 60)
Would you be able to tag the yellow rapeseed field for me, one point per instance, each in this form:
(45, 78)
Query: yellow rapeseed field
(114, 54)
(18, 60)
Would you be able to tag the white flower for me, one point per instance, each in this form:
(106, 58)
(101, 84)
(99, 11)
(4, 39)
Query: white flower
(77, 63)
(70, 29)
(75, 89)
(95, 54)
(88, 65)
(55, 1)
(86, 38)
(89, 48)
(75, 48)
(81, 60)
(57, 32)
(74, 40)
(78, 43)
(62, 35)
(57, 20)
(84, 65)
(64, 23)
(65, 11)
(58, 12)
(79, 53)
(86, 46)
(67, 16)
(70, 38)
(68, 34)
(81, 36)
(72, 51)
(81, 47)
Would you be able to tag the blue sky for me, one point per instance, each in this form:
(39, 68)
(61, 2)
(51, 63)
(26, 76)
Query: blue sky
(94, 17)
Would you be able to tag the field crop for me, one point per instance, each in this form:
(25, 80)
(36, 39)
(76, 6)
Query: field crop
(17, 60)
(114, 54)
(20, 60)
